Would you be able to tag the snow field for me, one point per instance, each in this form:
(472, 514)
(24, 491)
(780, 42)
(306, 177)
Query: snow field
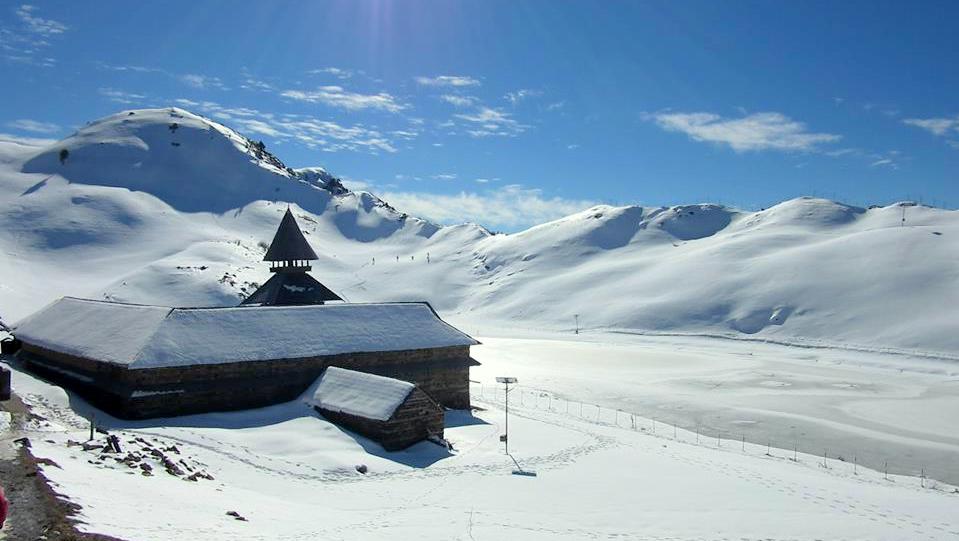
(594, 480)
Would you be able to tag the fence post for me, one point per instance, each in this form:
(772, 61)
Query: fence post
(744, 443)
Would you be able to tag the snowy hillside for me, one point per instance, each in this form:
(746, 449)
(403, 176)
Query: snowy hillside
(164, 206)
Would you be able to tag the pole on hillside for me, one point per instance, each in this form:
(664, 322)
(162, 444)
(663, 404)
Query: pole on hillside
(576, 317)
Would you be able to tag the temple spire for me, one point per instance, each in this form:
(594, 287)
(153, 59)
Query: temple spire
(289, 249)
(289, 252)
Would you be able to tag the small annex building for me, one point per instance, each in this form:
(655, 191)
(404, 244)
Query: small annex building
(391, 412)
(138, 361)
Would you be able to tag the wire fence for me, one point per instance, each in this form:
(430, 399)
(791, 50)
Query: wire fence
(884, 469)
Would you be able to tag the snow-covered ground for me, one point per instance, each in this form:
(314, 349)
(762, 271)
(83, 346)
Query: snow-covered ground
(879, 409)
(809, 324)
(292, 475)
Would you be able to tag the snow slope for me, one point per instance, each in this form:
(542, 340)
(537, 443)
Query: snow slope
(143, 212)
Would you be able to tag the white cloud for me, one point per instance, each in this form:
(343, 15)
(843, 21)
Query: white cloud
(39, 25)
(459, 101)
(202, 81)
(883, 162)
(444, 176)
(129, 67)
(556, 105)
(120, 96)
(758, 131)
(25, 41)
(336, 72)
(953, 144)
(482, 180)
(936, 126)
(448, 80)
(256, 84)
(337, 96)
(34, 126)
(522, 94)
(510, 207)
(488, 121)
(842, 152)
(308, 131)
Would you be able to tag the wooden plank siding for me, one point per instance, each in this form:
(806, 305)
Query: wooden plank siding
(443, 373)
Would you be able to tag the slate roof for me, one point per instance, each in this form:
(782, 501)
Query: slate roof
(290, 288)
(139, 336)
(289, 244)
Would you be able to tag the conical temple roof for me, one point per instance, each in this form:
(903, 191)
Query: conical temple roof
(287, 288)
(288, 243)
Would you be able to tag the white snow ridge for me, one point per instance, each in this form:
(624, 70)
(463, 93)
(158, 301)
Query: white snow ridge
(686, 372)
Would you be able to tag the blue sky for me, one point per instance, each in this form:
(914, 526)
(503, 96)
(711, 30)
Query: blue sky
(512, 113)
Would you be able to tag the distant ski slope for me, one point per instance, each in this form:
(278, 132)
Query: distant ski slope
(129, 215)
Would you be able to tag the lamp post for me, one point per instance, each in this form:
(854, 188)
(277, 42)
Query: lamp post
(505, 437)
(577, 322)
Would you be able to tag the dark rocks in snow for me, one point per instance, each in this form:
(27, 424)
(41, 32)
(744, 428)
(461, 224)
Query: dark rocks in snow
(236, 515)
(361, 468)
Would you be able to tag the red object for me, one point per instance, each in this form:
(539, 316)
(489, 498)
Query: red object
(3, 507)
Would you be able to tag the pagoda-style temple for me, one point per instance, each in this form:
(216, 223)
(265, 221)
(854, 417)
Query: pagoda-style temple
(138, 361)
(291, 284)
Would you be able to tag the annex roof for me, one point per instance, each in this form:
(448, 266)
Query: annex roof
(361, 394)
(141, 336)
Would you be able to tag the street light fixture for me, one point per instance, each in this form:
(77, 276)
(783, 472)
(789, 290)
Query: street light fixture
(507, 381)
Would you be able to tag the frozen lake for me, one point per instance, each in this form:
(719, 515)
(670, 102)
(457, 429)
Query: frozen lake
(870, 407)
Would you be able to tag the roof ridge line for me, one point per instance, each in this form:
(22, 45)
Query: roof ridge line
(150, 335)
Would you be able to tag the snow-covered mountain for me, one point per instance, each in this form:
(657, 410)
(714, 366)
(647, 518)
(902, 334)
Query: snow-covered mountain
(165, 206)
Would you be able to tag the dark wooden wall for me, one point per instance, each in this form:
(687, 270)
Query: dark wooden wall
(443, 373)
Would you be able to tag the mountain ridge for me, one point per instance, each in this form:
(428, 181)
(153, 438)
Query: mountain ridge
(129, 216)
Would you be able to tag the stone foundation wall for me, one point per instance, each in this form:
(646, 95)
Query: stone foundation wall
(443, 373)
